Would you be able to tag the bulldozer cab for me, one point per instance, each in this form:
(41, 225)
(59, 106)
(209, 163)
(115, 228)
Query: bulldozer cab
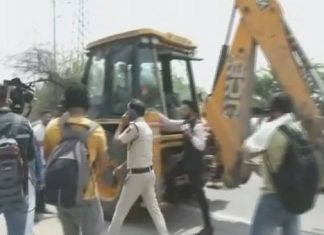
(145, 64)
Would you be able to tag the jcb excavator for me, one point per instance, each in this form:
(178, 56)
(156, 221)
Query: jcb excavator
(156, 68)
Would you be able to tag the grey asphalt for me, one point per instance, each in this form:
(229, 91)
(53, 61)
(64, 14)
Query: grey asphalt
(231, 210)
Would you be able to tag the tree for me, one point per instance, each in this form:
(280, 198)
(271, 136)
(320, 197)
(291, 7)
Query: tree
(267, 84)
(37, 65)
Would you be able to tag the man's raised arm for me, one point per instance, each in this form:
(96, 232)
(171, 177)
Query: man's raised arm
(170, 125)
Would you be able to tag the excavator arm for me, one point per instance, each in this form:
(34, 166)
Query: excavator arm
(227, 110)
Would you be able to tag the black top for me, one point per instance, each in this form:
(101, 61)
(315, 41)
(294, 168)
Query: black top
(193, 158)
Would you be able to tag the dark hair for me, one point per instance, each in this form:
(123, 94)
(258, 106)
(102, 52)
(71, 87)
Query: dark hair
(44, 112)
(76, 96)
(282, 103)
(138, 106)
(191, 105)
(3, 93)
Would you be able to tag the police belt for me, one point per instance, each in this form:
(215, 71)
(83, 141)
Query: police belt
(139, 170)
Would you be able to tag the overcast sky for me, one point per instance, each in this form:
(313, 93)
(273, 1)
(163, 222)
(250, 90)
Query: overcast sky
(27, 22)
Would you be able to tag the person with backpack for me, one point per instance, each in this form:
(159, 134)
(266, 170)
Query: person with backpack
(140, 178)
(191, 164)
(289, 170)
(16, 157)
(75, 149)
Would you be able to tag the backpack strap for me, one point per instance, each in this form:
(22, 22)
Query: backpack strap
(16, 124)
(291, 131)
(286, 130)
(68, 131)
(91, 128)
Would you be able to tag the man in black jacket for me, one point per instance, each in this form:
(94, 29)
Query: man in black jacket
(192, 161)
(15, 212)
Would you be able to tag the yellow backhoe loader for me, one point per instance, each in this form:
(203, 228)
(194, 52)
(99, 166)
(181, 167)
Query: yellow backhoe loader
(157, 68)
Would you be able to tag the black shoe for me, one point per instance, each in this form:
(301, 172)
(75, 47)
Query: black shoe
(44, 211)
(37, 218)
(206, 231)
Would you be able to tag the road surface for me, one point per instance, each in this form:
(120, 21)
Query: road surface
(231, 210)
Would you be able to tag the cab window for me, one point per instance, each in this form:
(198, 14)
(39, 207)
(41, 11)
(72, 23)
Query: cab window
(96, 80)
(122, 86)
(177, 85)
(149, 79)
(180, 80)
(120, 78)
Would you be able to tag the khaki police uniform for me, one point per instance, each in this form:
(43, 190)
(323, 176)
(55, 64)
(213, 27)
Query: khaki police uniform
(140, 179)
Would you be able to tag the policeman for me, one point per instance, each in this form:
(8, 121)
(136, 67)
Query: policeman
(192, 161)
(140, 179)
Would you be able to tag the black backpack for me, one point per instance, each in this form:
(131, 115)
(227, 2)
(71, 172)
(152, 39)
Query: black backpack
(296, 180)
(68, 172)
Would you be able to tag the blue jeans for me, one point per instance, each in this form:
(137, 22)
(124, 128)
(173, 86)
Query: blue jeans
(16, 217)
(271, 215)
(20, 216)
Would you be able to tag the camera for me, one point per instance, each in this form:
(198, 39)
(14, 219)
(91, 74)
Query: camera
(20, 95)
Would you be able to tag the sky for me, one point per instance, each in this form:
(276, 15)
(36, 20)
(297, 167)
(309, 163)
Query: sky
(24, 23)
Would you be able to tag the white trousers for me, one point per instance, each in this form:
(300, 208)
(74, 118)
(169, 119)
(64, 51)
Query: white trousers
(138, 185)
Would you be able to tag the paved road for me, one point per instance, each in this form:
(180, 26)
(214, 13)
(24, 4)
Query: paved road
(232, 211)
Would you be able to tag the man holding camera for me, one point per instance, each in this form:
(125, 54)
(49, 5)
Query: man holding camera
(140, 179)
(16, 153)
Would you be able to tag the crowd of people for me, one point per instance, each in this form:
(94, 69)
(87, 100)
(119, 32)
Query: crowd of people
(56, 161)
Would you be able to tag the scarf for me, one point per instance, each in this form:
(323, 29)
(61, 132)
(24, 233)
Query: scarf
(259, 140)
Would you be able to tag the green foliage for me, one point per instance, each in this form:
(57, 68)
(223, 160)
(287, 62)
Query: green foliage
(182, 88)
(267, 84)
(48, 96)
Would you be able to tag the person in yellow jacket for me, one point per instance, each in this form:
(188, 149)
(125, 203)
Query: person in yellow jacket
(88, 218)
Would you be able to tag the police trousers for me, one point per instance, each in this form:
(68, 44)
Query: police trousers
(138, 185)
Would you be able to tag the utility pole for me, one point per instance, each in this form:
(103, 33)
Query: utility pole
(81, 29)
(54, 35)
